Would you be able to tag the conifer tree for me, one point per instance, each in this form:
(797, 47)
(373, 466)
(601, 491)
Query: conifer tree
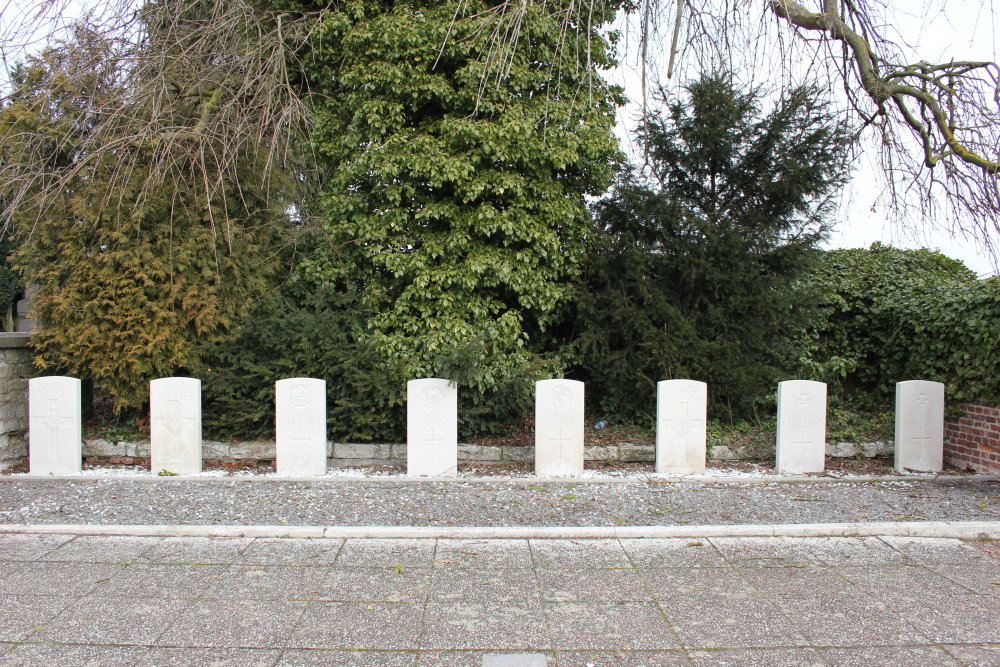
(699, 252)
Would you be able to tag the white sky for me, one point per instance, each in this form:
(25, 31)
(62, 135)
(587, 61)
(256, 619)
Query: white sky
(966, 32)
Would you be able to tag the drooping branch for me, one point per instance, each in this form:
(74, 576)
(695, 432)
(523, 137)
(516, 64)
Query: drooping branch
(920, 84)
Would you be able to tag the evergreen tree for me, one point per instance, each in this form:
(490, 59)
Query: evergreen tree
(135, 274)
(699, 252)
(454, 197)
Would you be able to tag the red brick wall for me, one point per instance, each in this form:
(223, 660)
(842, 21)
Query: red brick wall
(973, 440)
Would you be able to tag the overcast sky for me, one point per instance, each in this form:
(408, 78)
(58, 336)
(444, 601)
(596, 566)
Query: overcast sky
(968, 31)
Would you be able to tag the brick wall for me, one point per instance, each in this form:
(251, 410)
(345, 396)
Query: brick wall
(973, 440)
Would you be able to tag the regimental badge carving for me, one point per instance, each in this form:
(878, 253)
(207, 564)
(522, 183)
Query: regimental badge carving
(433, 397)
(300, 396)
(560, 398)
(804, 399)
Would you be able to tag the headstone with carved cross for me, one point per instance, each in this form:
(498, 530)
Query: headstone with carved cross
(919, 426)
(801, 439)
(55, 442)
(681, 407)
(431, 428)
(175, 425)
(558, 428)
(300, 427)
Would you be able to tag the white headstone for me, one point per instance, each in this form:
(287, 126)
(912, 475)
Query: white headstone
(801, 442)
(558, 428)
(175, 425)
(300, 427)
(431, 428)
(919, 426)
(681, 407)
(55, 442)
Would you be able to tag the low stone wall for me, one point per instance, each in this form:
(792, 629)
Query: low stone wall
(15, 369)
(355, 454)
(973, 440)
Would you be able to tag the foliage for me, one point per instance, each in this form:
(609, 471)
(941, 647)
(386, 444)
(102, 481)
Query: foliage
(696, 258)
(10, 281)
(303, 333)
(454, 204)
(889, 315)
(128, 293)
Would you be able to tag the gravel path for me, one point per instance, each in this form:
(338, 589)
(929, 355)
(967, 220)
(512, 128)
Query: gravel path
(221, 501)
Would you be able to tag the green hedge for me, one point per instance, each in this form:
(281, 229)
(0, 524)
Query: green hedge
(890, 315)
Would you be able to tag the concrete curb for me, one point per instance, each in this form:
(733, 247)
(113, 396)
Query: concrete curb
(523, 481)
(938, 529)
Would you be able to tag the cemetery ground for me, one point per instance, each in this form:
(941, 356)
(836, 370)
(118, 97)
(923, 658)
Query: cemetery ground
(620, 567)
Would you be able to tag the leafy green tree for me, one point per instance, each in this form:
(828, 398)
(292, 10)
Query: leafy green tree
(888, 315)
(135, 274)
(454, 200)
(698, 253)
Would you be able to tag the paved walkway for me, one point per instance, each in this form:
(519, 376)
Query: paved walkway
(68, 600)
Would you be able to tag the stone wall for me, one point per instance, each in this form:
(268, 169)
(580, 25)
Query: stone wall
(15, 369)
(973, 439)
(239, 454)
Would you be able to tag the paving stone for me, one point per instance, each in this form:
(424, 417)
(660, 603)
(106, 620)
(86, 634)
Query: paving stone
(354, 584)
(937, 551)
(905, 586)
(493, 626)
(484, 553)
(798, 582)
(268, 582)
(29, 547)
(772, 657)
(21, 616)
(94, 621)
(290, 552)
(69, 655)
(683, 582)
(198, 550)
(850, 621)
(578, 554)
(673, 553)
(515, 660)
(765, 551)
(597, 585)
(366, 658)
(234, 623)
(517, 586)
(358, 625)
(716, 622)
(60, 579)
(855, 551)
(617, 626)
(984, 579)
(976, 656)
(965, 620)
(387, 553)
(213, 657)
(156, 580)
(103, 549)
(901, 656)
(622, 658)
